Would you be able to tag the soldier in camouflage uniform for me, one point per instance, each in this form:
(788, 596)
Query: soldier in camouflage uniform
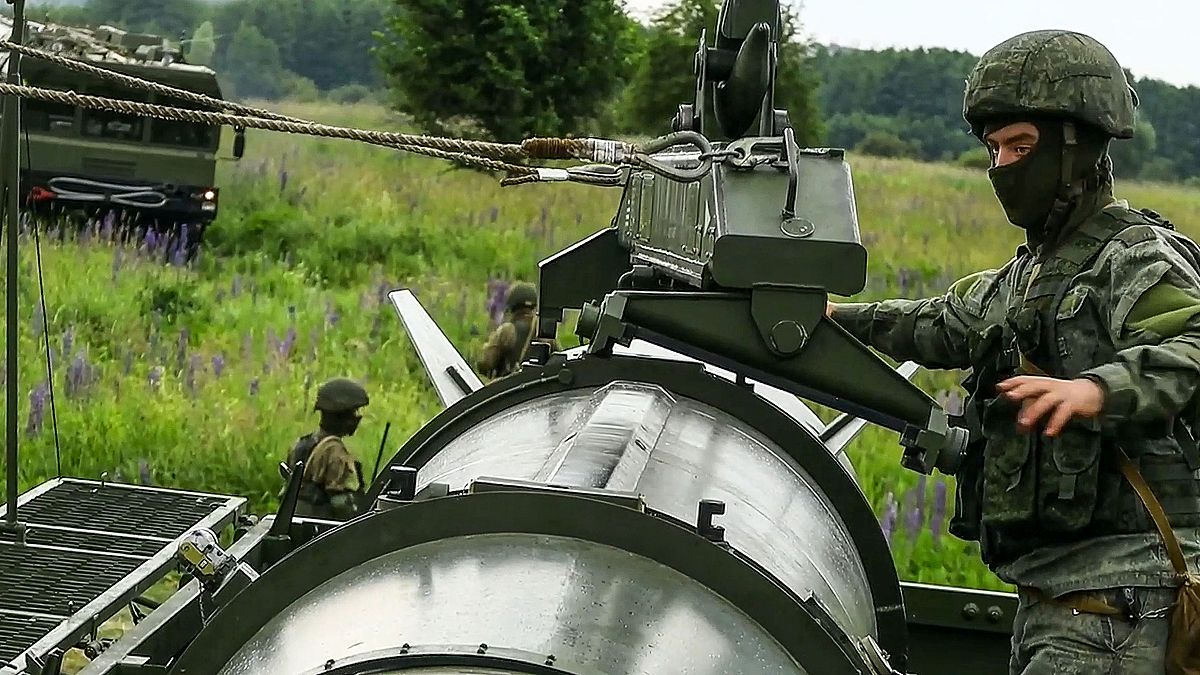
(333, 484)
(1085, 344)
(506, 346)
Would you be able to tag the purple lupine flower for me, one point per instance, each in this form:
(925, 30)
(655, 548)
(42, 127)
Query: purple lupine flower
(914, 515)
(954, 402)
(497, 292)
(890, 513)
(218, 364)
(110, 220)
(127, 365)
(273, 341)
(236, 288)
(283, 177)
(189, 379)
(77, 374)
(179, 254)
(285, 347)
(144, 475)
(254, 387)
(37, 409)
(331, 314)
(155, 377)
(939, 510)
(38, 324)
(494, 214)
(68, 340)
(116, 265)
(150, 242)
(903, 278)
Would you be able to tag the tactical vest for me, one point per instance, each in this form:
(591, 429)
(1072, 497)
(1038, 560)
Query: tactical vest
(524, 325)
(311, 492)
(1020, 492)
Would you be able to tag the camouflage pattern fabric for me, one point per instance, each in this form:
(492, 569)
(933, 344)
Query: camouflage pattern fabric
(1051, 72)
(507, 344)
(1131, 321)
(1129, 318)
(332, 478)
(1050, 639)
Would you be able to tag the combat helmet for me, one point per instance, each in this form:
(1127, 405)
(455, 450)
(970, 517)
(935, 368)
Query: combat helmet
(1054, 73)
(340, 395)
(522, 294)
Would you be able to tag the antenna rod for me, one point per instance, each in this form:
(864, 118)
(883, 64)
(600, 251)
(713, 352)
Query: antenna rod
(11, 157)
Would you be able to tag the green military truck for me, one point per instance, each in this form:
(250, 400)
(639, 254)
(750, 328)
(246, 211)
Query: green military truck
(160, 172)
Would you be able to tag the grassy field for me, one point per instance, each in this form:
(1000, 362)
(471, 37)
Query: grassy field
(202, 376)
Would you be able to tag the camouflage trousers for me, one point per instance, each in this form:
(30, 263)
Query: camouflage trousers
(1051, 638)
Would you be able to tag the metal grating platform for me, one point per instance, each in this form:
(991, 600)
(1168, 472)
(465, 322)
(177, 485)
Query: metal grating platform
(89, 549)
(16, 631)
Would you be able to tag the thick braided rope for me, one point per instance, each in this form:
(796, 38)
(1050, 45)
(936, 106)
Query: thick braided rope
(539, 148)
(382, 138)
(597, 150)
(139, 83)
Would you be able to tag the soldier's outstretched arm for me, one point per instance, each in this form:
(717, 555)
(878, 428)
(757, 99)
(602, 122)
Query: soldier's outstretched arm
(499, 342)
(932, 332)
(1154, 305)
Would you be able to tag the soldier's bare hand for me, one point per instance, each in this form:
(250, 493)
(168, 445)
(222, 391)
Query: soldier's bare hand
(829, 307)
(1064, 399)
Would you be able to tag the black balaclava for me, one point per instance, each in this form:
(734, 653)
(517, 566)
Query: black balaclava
(340, 424)
(1032, 190)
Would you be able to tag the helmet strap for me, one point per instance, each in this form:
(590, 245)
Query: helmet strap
(1069, 191)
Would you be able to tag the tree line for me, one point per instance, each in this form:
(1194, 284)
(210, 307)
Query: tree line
(260, 48)
(510, 69)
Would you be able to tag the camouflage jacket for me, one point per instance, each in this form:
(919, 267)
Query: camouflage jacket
(1131, 317)
(506, 346)
(332, 478)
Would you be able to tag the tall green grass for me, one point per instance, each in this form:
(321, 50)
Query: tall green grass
(202, 376)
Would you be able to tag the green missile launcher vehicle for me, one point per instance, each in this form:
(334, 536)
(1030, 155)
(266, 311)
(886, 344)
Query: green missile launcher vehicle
(658, 500)
(156, 172)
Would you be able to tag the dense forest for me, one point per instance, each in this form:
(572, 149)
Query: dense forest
(890, 102)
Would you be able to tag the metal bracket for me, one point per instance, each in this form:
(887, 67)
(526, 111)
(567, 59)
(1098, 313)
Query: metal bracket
(786, 316)
(705, 511)
(403, 483)
(778, 335)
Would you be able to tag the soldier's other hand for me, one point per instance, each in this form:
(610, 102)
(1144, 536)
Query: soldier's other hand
(1041, 395)
(829, 307)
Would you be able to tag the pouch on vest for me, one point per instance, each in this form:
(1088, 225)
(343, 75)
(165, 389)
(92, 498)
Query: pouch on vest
(1009, 489)
(1070, 474)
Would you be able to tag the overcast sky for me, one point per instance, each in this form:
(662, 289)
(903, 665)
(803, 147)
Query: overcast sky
(1155, 38)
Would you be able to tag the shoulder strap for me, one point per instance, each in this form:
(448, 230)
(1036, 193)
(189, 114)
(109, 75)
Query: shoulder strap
(308, 464)
(1146, 495)
(1051, 279)
(528, 338)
